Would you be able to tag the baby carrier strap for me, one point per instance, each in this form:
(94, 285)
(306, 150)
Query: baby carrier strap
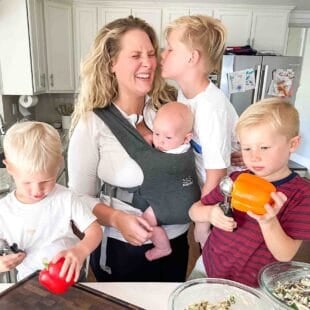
(170, 184)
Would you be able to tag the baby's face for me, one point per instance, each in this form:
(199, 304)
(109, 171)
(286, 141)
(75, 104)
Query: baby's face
(167, 135)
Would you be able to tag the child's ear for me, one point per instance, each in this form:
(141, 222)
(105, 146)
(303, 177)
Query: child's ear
(294, 143)
(188, 137)
(8, 166)
(194, 57)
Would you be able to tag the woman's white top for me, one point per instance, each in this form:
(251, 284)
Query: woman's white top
(95, 155)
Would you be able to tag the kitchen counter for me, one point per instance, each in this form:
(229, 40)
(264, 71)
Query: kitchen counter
(148, 295)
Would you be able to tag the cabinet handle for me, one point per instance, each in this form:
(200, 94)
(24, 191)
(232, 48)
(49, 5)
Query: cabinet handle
(42, 80)
(52, 80)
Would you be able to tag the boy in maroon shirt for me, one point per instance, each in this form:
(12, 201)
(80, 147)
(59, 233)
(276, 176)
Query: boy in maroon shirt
(268, 132)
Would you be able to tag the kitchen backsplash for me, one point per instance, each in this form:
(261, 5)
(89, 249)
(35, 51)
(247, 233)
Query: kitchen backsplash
(44, 111)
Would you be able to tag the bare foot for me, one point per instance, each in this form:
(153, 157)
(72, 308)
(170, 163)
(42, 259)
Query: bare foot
(156, 253)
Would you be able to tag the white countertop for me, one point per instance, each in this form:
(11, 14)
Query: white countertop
(148, 295)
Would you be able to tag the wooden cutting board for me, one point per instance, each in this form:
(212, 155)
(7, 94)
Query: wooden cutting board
(30, 294)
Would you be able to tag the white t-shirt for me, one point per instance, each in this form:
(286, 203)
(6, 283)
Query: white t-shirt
(95, 154)
(214, 129)
(42, 229)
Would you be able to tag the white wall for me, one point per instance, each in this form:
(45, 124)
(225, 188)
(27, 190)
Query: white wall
(302, 103)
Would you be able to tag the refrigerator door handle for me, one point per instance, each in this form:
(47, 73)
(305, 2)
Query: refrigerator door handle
(264, 82)
(259, 71)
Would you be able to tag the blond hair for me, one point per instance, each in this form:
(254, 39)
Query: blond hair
(98, 84)
(203, 33)
(276, 112)
(33, 147)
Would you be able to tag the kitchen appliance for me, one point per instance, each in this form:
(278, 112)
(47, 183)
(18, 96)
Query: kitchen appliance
(246, 79)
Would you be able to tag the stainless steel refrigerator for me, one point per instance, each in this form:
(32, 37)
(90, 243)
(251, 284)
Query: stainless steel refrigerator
(266, 74)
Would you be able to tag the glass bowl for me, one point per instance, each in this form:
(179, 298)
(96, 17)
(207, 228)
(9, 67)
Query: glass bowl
(217, 290)
(280, 272)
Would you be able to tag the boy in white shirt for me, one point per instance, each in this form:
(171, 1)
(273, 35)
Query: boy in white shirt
(195, 45)
(38, 214)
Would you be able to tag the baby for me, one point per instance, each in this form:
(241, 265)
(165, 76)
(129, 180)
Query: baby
(172, 132)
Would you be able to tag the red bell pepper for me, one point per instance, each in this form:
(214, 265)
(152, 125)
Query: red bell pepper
(50, 279)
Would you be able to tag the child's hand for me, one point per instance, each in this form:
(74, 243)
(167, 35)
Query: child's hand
(220, 220)
(271, 211)
(10, 261)
(73, 263)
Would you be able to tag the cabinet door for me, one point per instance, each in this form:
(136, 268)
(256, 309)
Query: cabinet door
(59, 42)
(37, 44)
(151, 16)
(168, 15)
(85, 26)
(238, 25)
(15, 48)
(201, 11)
(269, 31)
(106, 15)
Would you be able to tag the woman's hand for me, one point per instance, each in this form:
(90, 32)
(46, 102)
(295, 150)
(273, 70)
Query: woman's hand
(220, 220)
(10, 261)
(134, 228)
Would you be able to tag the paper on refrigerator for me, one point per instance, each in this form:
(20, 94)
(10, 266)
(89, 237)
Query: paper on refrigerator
(282, 83)
(241, 81)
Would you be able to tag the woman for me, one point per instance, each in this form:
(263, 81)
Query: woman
(121, 70)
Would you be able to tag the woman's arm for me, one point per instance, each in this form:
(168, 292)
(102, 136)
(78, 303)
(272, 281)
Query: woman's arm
(83, 169)
(134, 228)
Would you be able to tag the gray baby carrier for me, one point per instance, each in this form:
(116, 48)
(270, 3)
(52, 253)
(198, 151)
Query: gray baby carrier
(170, 183)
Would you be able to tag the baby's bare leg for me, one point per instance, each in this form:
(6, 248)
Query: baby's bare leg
(159, 237)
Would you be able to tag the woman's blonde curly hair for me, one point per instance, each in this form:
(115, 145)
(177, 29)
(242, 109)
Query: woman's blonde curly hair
(99, 86)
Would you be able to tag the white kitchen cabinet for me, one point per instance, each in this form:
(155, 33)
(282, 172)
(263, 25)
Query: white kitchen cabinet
(85, 30)
(200, 11)
(22, 47)
(238, 23)
(270, 30)
(108, 14)
(151, 15)
(168, 15)
(59, 42)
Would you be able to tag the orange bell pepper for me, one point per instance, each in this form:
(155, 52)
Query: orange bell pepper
(251, 193)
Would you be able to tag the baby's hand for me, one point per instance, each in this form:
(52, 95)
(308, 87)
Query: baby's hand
(10, 261)
(271, 211)
(220, 220)
(72, 265)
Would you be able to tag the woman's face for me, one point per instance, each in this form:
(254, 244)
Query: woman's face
(135, 65)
